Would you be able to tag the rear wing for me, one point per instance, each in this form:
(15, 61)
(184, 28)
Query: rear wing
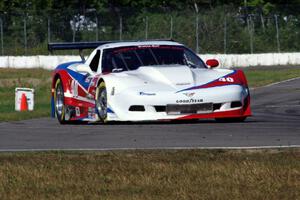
(87, 45)
(75, 45)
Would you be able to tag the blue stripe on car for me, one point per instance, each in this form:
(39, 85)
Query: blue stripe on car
(77, 76)
(110, 110)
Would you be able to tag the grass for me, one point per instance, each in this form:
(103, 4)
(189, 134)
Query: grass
(184, 174)
(156, 174)
(263, 76)
(40, 80)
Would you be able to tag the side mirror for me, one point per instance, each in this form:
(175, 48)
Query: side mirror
(212, 63)
(82, 68)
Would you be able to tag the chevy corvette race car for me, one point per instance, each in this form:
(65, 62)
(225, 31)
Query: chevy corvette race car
(145, 81)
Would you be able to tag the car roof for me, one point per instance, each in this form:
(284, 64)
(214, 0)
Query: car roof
(137, 43)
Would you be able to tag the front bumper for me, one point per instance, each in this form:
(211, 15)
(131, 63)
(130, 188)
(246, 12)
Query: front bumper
(227, 102)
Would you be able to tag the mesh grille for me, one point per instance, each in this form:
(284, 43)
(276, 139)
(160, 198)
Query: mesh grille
(173, 109)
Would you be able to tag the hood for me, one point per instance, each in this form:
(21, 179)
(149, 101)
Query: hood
(176, 77)
(180, 76)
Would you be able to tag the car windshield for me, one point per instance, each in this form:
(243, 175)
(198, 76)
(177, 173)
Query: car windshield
(133, 57)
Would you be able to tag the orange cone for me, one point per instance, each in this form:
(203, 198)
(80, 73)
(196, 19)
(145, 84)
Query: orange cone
(24, 104)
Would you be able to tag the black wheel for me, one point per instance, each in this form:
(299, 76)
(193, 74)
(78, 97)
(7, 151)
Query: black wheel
(59, 101)
(236, 119)
(101, 102)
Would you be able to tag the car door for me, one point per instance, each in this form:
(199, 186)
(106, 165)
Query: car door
(92, 79)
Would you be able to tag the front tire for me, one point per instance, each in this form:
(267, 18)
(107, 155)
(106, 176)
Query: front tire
(101, 102)
(59, 101)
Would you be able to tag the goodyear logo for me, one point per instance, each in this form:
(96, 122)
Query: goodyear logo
(189, 101)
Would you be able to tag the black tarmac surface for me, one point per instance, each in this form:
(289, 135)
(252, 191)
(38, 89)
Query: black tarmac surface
(275, 122)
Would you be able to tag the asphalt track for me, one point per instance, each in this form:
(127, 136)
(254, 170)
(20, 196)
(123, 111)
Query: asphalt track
(275, 123)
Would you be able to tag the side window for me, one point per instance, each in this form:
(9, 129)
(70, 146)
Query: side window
(95, 61)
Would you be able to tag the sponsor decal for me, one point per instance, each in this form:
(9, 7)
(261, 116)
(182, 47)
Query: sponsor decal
(95, 81)
(77, 111)
(88, 79)
(146, 94)
(147, 46)
(112, 91)
(74, 88)
(91, 112)
(189, 94)
(183, 83)
(189, 101)
(119, 50)
(89, 96)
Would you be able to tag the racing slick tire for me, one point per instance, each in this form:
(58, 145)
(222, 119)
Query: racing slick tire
(59, 101)
(101, 102)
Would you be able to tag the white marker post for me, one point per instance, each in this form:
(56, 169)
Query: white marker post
(29, 93)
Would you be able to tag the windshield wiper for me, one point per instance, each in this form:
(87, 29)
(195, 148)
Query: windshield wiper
(117, 70)
(191, 65)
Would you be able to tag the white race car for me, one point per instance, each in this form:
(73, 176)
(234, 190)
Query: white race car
(145, 81)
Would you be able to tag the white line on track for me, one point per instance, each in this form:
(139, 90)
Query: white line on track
(282, 106)
(155, 148)
(276, 83)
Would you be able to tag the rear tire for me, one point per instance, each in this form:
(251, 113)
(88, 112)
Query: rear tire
(101, 102)
(59, 101)
(232, 120)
